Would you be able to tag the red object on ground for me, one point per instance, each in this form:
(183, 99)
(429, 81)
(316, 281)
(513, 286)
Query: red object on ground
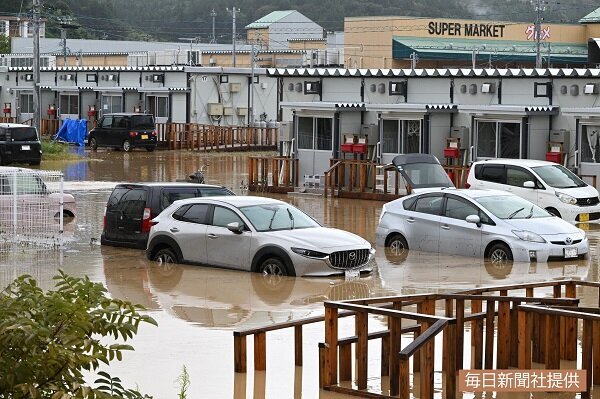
(554, 157)
(451, 152)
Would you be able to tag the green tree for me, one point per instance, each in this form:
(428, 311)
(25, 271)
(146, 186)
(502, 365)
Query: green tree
(48, 339)
(4, 44)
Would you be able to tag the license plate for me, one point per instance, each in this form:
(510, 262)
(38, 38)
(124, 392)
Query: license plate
(25, 147)
(144, 137)
(584, 217)
(570, 253)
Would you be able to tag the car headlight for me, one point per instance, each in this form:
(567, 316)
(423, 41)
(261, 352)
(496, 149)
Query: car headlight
(567, 199)
(309, 253)
(528, 236)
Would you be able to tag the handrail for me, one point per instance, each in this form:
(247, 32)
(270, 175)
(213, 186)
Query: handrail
(423, 339)
(387, 312)
(559, 312)
(332, 167)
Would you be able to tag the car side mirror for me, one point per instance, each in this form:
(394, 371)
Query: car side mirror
(474, 219)
(236, 227)
(529, 184)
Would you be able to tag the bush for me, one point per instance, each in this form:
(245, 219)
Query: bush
(48, 339)
(53, 150)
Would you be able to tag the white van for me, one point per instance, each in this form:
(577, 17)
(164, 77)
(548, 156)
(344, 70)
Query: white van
(547, 184)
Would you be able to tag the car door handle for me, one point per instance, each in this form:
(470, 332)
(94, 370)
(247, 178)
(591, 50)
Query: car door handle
(212, 236)
(174, 229)
(445, 227)
(410, 220)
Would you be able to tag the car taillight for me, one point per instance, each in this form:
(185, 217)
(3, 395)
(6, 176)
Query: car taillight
(132, 134)
(104, 221)
(146, 220)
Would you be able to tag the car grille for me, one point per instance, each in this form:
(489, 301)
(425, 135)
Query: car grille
(564, 243)
(349, 259)
(588, 201)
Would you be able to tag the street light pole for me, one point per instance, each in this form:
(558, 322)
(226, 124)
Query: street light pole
(36, 65)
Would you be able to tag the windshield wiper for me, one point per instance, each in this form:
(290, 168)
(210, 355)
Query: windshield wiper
(530, 213)
(272, 218)
(514, 213)
(291, 217)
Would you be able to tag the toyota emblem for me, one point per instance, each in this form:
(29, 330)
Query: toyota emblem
(568, 240)
(352, 255)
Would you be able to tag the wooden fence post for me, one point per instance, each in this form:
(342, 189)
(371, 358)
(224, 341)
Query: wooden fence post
(362, 345)
(260, 351)
(477, 336)
(489, 334)
(524, 352)
(331, 340)
(239, 353)
(298, 345)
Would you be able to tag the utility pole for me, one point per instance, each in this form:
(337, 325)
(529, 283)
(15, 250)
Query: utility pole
(213, 14)
(233, 12)
(36, 65)
(540, 6)
(63, 39)
(252, 61)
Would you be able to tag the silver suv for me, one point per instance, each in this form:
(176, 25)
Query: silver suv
(254, 234)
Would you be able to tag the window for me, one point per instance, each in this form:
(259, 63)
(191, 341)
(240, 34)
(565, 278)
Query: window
(401, 136)
(132, 204)
(196, 213)
(493, 173)
(26, 103)
(223, 216)
(22, 133)
(69, 104)
(112, 104)
(168, 196)
(517, 176)
(315, 133)
(142, 122)
(121, 122)
(498, 139)
(590, 150)
(431, 204)
(158, 106)
(107, 122)
(459, 209)
(214, 192)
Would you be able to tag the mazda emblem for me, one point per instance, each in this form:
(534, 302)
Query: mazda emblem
(568, 240)
(352, 255)
(589, 200)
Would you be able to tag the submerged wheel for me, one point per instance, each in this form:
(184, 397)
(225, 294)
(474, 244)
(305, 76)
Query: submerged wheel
(273, 267)
(165, 256)
(126, 146)
(500, 253)
(150, 149)
(93, 143)
(397, 244)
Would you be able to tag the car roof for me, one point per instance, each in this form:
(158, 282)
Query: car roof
(17, 169)
(517, 162)
(463, 192)
(127, 114)
(169, 184)
(237, 201)
(404, 159)
(8, 125)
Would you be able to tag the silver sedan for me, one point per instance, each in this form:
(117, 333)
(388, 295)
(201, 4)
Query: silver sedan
(255, 234)
(488, 223)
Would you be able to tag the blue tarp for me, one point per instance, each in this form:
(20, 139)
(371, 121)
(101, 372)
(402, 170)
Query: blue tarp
(72, 131)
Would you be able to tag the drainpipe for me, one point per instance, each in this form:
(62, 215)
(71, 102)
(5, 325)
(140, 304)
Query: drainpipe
(500, 91)
(336, 134)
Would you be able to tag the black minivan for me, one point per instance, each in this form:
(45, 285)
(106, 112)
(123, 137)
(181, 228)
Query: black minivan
(131, 207)
(125, 131)
(19, 144)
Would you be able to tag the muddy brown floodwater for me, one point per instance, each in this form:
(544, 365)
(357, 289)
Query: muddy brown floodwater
(197, 308)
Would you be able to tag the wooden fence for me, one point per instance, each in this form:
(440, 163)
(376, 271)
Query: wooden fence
(505, 331)
(272, 174)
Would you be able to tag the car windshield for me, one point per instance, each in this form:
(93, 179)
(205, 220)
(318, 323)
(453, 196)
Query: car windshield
(512, 207)
(270, 217)
(558, 176)
(142, 122)
(426, 175)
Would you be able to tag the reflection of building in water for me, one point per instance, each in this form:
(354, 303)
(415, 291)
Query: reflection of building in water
(40, 263)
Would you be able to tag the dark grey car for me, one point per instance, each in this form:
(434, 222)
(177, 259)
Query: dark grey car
(125, 131)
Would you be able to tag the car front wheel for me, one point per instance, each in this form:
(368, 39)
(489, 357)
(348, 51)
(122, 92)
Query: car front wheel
(397, 244)
(126, 146)
(500, 253)
(165, 256)
(273, 267)
(93, 143)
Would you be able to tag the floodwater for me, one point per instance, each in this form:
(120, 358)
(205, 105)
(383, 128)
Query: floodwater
(198, 308)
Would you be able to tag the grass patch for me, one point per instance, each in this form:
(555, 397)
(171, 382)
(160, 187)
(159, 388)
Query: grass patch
(55, 151)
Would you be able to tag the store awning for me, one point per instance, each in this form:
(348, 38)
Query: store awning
(518, 110)
(323, 106)
(503, 51)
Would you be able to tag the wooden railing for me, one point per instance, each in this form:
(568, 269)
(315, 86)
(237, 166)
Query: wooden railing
(358, 179)
(272, 174)
(458, 174)
(509, 331)
(8, 119)
(194, 136)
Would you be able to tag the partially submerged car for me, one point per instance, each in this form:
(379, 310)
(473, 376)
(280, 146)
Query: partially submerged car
(489, 223)
(421, 171)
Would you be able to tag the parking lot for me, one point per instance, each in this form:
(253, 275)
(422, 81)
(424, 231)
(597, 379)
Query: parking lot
(197, 308)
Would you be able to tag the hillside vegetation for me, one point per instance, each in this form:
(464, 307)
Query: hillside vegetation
(172, 20)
